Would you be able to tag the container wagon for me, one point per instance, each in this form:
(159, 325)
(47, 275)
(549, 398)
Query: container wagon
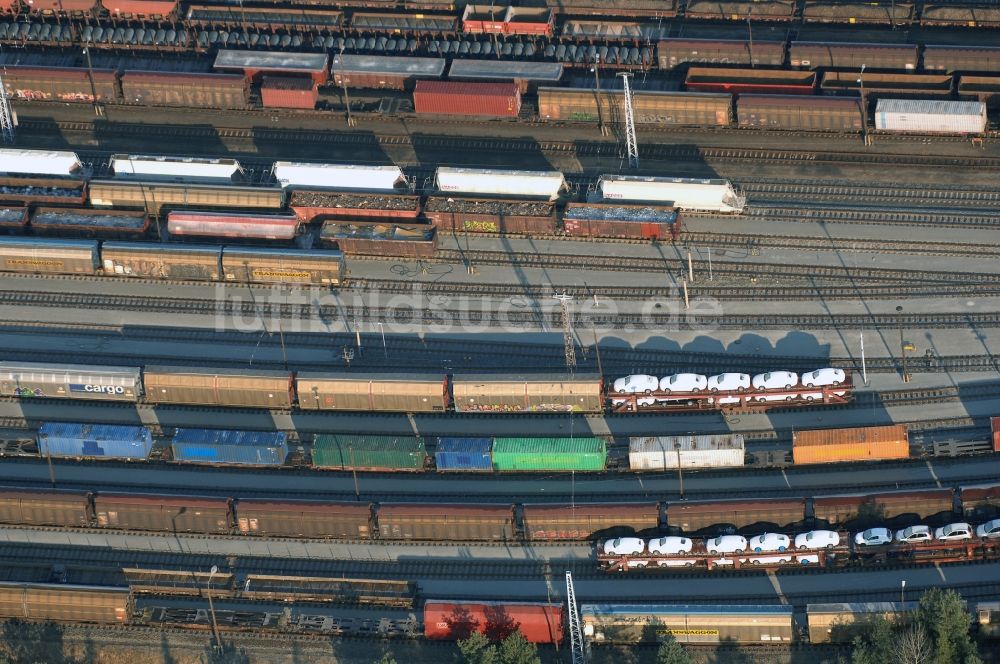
(464, 454)
(930, 117)
(392, 453)
(669, 452)
(544, 454)
(695, 624)
(856, 444)
(242, 448)
(103, 441)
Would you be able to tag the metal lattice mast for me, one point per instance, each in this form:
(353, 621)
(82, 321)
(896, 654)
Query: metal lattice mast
(6, 116)
(567, 325)
(575, 632)
(630, 139)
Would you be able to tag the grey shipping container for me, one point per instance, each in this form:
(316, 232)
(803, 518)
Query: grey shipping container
(67, 439)
(252, 448)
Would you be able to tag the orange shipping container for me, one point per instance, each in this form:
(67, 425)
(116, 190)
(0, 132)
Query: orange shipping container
(996, 433)
(859, 444)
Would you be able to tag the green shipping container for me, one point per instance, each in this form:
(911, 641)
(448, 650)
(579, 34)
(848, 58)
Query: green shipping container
(369, 452)
(587, 454)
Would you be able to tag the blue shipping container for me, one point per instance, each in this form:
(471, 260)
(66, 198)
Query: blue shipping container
(464, 454)
(257, 448)
(110, 441)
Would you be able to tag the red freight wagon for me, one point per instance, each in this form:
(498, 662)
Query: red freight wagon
(59, 83)
(540, 623)
(617, 220)
(528, 21)
(995, 421)
(461, 98)
(224, 224)
(760, 81)
(60, 6)
(288, 92)
(140, 8)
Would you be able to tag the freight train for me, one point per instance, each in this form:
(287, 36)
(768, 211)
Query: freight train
(496, 522)
(481, 89)
(415, 393)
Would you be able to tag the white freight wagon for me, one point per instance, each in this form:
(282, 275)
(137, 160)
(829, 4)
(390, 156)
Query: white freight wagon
(38, 162)
(690, 194)
(926, 116)
(339, 176)
(175, 169)
(489, 182)
(666, 452)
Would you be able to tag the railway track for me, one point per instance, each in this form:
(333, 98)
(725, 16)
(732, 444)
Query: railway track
(419, 142)
(516, 316)
(766, 211)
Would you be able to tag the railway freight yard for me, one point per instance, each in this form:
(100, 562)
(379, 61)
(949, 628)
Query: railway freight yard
(551, 331)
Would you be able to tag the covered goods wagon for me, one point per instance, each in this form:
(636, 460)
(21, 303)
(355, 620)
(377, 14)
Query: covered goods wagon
(282, 266)
(302, 518)
(344, 177)
(842, 622)
(502, 100)
(48, 256)
(369, 452)
(251, 448)
(489, 393)
(447, 523)
(468, 454)
(64, 603)
(619, 220)
(380, 238)
(699, 624)
(849, 55)
(491, 182)
(288, 92)
(311, 204)
(659, 108)
(38, 162)
(674, 52)
(384, 72)
(170, 514)
(981, 503)
(526, 75)
(980, 88)
(761, 10)
(154, 196)
(107, 441)
(694, 516)
(239, 388)
(45, 508)
(455, 620)
(89, 222)
(533, 454)
(44, 191)
(798, 112)
(664, 452)
(630, 8)
(67, 84)
(924, 116)
(584, 521)
(70, 381)
(855, 444)
(477, 215)
(862, 511)
(874, 13)
(699, 195)
(949, 59)
(246, 226)
(162, 261)
(187, 89)
(408, 393)
(761, 81)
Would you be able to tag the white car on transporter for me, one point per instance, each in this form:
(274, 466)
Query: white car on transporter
(817, 539)
(775, 380)
(636, 384)
(823, 378)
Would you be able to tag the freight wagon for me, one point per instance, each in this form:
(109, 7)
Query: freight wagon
(694, 624)
(229, 225)
(380, 238)
(156, 196)
(455, 620)
(344, 177)
(701, 109)
(312, 204)
(687, 194)
(476, 215)
(43, 191)
(89, 222)
(65, 603)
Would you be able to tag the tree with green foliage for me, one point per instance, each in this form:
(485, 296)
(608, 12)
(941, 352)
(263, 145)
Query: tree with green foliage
(477, 649)
(946, 621)
(386, 658)
(516, 649)
(672, 652)
(877, 645)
